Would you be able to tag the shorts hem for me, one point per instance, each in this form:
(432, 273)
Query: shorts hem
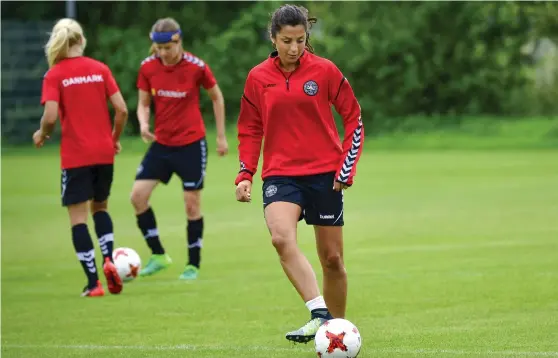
(325, 224)
(284, 201)
(102, 199)
(192, 188)
(66, 203)
(165, 182)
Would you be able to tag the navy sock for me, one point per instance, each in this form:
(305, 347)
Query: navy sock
(104, 230)
(321, 313)
(85, 253)
(148, 226)
(195, 238)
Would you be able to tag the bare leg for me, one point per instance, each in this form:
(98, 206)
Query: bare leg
(282, 219)
(192, 202)
(141, 192)
(329, 241)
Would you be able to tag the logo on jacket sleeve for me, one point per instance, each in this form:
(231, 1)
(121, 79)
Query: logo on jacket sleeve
(311, 88)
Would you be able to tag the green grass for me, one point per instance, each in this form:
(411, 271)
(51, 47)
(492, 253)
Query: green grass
(419, 133)
(471, 133)
(449, 253)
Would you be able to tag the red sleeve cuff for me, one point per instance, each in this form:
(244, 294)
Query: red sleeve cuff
(243, 175)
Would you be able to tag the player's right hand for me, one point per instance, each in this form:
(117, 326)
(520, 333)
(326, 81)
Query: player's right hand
(146, 134)
(222, 145)
(243, 191)
(39, 138)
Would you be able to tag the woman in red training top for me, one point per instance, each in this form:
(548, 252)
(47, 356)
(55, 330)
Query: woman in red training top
(287, 100)
(77, 88)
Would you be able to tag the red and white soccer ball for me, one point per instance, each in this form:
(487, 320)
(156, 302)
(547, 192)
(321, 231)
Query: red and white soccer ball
(127, 262)
(338, 338)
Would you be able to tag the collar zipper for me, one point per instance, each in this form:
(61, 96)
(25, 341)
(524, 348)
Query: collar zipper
(285, 76)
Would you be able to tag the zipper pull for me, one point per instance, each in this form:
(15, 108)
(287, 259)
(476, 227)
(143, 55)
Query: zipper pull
(287, 84)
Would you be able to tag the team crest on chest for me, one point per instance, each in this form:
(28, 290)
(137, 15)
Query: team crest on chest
(311, 88)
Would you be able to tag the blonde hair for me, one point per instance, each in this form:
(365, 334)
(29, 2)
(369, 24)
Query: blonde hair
(167, 24)
(65, 34)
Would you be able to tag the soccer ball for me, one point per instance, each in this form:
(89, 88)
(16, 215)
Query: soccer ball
(338, 338)
(127, 262)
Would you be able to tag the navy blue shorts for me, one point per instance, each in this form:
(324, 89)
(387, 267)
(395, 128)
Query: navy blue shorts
(188, 162)
(82, 184)
(321, 205)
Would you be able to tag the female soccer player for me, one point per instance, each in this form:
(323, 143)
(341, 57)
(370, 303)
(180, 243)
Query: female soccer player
(287, 100)
(77, 87)
(171, 78)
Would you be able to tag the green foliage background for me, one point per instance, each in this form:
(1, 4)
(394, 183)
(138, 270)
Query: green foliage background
(438, 61)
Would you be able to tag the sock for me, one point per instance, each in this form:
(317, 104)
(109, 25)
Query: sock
(104, 230)
(85, 253)
(195, 237)
(148, 226)
(317, 308)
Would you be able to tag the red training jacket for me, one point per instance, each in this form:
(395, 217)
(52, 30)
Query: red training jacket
(292, 111)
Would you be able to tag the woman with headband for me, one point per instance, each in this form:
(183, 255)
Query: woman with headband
(171, 79)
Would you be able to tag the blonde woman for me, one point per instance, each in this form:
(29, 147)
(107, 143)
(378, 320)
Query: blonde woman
(171, 78)
(76, 88)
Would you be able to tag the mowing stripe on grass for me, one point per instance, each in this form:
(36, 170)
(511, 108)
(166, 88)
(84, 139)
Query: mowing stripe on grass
(190, 347)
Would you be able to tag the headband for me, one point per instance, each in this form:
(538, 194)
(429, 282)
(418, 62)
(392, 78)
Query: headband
(164, 37)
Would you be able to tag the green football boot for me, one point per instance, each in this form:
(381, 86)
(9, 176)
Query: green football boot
(190, 273)
(307, 332)
(155, 264)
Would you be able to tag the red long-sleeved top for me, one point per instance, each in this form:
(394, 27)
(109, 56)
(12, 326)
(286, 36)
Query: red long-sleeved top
(292, 111)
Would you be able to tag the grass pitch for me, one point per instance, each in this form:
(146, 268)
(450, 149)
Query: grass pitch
(449, 253)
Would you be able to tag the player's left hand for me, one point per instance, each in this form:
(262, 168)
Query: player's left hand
(244, 191)
(39, 138)
(338, 186)
(222, 146)
(117, 147)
